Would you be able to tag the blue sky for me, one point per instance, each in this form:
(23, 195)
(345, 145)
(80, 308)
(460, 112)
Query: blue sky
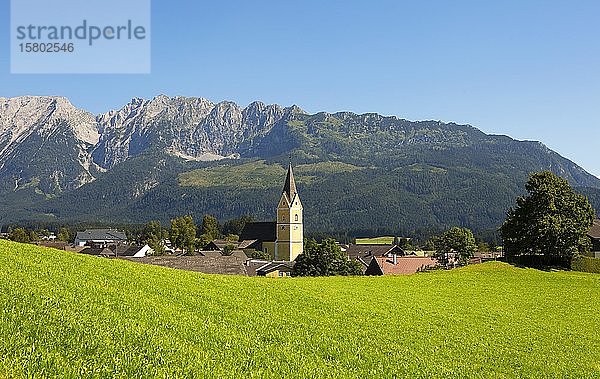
(528, 69)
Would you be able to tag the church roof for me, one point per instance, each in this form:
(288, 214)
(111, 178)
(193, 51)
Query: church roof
(262, 231)
(289, 188)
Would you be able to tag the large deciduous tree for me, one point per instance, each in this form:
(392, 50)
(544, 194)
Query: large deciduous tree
(457, 243)
(183, 233)
(210, 227)
(551, 221)
(65, 234)
(324, 259)
(154, 235)
(19, 235)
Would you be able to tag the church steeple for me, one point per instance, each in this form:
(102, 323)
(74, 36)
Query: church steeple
(290, 229)
(289, 188)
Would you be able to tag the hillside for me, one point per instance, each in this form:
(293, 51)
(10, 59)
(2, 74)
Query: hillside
(69, 315)
(160, 158)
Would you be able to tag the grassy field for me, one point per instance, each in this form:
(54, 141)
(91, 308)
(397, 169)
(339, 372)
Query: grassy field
(259, 174)
(375, 241)
(69, 315)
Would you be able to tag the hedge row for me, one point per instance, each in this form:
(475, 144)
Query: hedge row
(585, 264)
(539, 261)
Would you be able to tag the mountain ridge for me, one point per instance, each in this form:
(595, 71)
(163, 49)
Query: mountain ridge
(58, 162)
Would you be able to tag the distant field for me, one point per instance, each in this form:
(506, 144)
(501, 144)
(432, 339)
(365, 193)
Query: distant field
(259, 174)
(69, 315)
(375, 241)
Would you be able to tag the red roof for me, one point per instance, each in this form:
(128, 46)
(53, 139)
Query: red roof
(404, 265)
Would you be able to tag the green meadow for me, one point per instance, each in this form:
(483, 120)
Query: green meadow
(375, 241)
(69, 315)
(259, 174)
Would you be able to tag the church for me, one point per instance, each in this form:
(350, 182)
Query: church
(284, 238)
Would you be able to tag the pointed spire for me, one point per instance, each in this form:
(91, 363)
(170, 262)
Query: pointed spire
(289, 187)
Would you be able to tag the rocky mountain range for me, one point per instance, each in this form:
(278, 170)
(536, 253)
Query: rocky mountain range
(156, 158)
(189, 128)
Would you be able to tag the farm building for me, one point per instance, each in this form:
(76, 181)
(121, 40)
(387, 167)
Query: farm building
(99, 237)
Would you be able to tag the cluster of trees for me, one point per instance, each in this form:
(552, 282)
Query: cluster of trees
(324, 259)
(28, 235)
(456, 244)
(184, 234)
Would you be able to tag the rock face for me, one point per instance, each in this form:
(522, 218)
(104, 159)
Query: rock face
(190, 128)
(46, 141)
(50, 144)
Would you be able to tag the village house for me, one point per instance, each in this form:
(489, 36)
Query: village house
(215, 253)
(270, 269)
(594, 236)
(221, 245)
(363, 254)
(485, 256)
(212, 262)
(387, 259)
(399, 265)
(118, 251)
(60, 245)
(100, 237)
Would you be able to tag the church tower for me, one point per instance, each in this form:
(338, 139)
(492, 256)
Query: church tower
(290, 231)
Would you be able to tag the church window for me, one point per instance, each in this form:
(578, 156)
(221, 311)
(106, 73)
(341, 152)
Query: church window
(296, 217)
(282, 227)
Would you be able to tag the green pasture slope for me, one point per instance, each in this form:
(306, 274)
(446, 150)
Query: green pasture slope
(69, 315)
(375, 241)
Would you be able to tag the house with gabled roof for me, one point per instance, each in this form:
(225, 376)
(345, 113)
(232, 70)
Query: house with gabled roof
(270, 269)
(118, 251)
(99, 237)
(399, 265)
(363, 254)
(221, 245)
(594, 236)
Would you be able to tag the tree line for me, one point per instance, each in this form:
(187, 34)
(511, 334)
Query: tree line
(548, 226)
